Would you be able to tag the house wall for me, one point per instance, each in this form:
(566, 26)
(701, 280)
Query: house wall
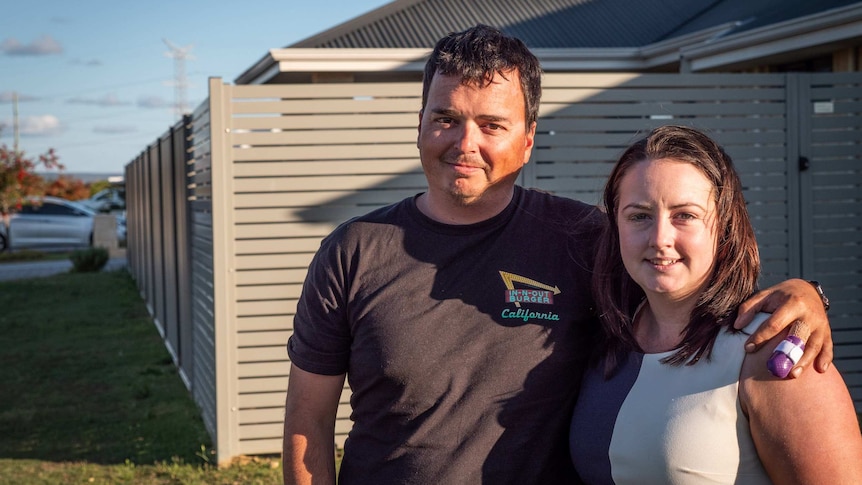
(847, 60)
(274, 168)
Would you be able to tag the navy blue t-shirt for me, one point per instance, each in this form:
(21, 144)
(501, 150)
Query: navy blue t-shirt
(463, 345)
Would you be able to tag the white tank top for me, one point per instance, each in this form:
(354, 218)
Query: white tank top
(664, 424)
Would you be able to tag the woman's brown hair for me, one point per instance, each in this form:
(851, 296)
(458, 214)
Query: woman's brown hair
(737, 263)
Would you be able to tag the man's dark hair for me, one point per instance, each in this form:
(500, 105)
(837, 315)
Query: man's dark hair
(480, 52)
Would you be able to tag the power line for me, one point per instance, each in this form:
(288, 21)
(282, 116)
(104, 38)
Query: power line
(52, 96)
(179, 55)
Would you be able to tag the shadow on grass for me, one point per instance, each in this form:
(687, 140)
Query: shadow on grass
(85, 376)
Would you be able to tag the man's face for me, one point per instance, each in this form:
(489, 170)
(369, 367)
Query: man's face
(473, 140)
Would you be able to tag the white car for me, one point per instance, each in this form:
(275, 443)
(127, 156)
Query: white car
(107, 200)
(53, 223)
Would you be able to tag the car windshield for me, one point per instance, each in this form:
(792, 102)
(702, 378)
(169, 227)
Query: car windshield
(81, 207)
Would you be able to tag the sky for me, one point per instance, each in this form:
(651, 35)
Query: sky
(95, 81)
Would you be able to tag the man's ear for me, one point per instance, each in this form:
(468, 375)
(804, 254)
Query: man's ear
(529, 141)
(419, 128)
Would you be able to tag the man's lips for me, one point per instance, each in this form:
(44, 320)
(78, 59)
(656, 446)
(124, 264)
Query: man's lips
(466, 167)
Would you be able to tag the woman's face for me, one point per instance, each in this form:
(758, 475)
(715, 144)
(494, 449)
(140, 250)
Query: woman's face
(666, 221)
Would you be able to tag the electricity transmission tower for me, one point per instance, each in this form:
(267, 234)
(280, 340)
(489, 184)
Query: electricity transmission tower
(180, 55)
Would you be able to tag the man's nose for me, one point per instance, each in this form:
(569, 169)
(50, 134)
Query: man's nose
(468, 137)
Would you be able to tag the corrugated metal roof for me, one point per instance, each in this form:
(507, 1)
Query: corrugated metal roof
(757, 13)
(557, 23)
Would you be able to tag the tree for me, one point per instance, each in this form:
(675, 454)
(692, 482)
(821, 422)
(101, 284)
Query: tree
(19, 181)
(99, 185)
(69, 188)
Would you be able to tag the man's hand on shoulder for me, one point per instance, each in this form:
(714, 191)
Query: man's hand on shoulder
(789, 301)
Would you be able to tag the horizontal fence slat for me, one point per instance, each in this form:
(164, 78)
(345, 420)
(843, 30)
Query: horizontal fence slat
(268, 292)
(258, 339)
(265, 322)
(328, 121)
(331, 152)
(328, 182)
(262, 384)
(280, 168)
(329, 137)
(311, 200)
(305, 91)
(320, 105)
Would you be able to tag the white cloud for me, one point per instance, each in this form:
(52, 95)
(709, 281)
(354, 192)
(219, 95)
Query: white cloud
(87, 62)
(153, 102)
(9, 96)
(43, 46)
(107, 100)
(44, 125)
(114, 129)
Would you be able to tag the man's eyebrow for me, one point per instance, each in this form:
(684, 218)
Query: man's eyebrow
(457, 114)
(445, 111)
(494, 118)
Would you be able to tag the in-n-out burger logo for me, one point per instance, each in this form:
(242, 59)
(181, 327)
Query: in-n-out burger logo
(544, 297)
(536, 293)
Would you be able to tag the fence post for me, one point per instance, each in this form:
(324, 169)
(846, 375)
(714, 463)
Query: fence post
(224, 272)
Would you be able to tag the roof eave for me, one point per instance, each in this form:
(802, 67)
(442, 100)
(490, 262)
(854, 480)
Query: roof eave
(590, 59)
(292, 59)
(350, 60)
(813, 31)
(259, 72)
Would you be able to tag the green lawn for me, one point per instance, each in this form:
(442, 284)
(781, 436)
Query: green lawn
(89, 393)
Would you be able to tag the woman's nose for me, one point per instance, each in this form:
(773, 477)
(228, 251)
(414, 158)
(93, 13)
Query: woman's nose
(661, 235)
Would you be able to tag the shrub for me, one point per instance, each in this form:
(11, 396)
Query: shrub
(89, 260)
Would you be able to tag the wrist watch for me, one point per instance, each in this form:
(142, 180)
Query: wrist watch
(816, 285)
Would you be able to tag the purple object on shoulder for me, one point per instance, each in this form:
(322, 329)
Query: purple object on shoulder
(780, 363)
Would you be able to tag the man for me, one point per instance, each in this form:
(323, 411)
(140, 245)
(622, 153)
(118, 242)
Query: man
(461, 316)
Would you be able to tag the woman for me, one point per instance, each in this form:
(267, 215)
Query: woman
(672, 397)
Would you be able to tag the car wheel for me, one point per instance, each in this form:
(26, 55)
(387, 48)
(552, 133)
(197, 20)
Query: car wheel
(2, 243)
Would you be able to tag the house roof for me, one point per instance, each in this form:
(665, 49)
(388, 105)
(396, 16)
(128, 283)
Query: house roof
(559, 23)
(579, 35)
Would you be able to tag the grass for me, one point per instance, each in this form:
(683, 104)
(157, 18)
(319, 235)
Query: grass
(89, 393)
